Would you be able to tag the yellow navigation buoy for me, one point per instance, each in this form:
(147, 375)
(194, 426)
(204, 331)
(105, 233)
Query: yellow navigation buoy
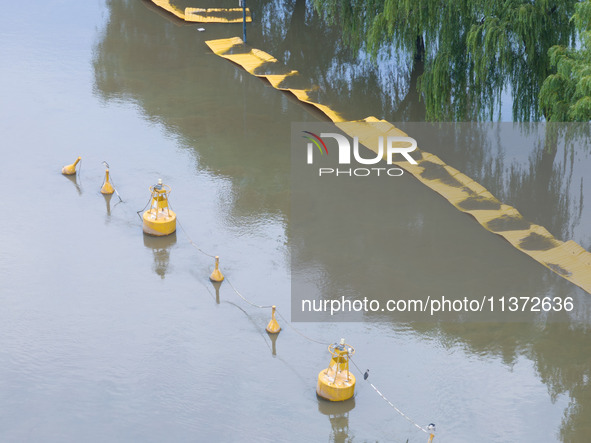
(70, 169)
(159, 219)
(336, 383)
(273, 326)
(217, 275)
(107, 186)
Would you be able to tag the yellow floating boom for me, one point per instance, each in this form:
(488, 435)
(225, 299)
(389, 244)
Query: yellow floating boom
(251, 60)
(167, 6)
(216, 15)
(200, 15)
(567, 259)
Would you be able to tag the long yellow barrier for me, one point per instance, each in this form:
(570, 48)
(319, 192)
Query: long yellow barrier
(166, 5)
(216, 15)
(211, 15)
(567, 259)
(255, 61)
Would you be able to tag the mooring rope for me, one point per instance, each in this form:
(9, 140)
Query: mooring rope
(189, 237)
(299, 332)
(144, 208)
(389, 402)
(245, 299)
(182, 229)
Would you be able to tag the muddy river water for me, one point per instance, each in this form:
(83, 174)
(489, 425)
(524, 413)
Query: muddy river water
(108, 335)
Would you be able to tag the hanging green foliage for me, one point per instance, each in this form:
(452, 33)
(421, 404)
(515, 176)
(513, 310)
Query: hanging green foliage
(566, 95)
(474, 51)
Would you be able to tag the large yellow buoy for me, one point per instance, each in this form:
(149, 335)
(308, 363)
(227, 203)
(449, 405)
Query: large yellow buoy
(70, 169)
(159, 219)
(336, 383)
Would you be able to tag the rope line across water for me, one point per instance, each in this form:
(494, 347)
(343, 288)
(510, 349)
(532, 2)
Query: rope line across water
(189, 237)
(245, 299)
(185, 232)
(250, 302)
(144, 208)
(299, 332)
(390, 403)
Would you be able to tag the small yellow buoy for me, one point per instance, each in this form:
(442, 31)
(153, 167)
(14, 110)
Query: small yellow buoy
(159, 219)
(216, 275)
(70, 169)
(273, 326)
(107, 186)
(336, 383)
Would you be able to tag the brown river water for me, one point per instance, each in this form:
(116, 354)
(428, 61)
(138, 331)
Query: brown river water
(110, 336)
